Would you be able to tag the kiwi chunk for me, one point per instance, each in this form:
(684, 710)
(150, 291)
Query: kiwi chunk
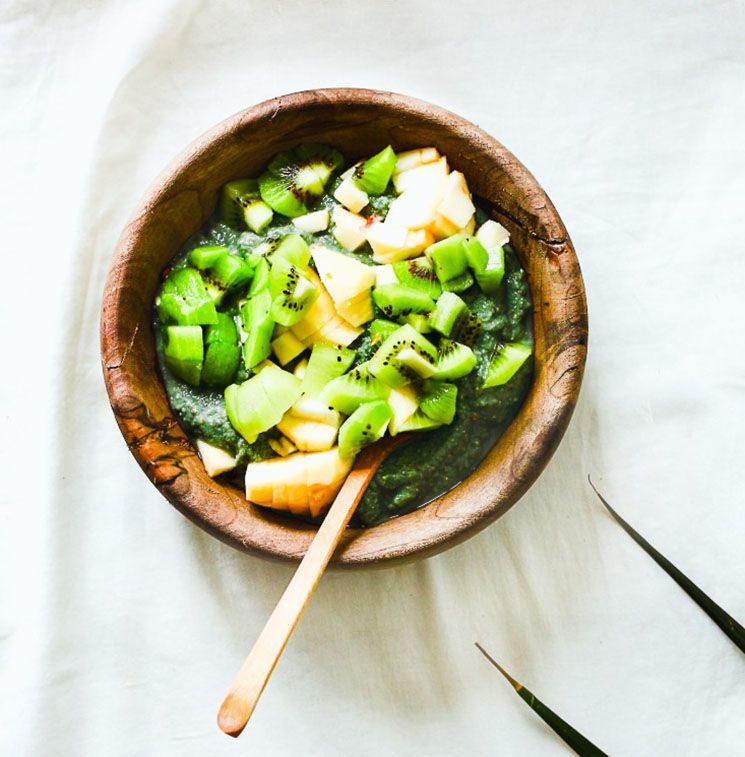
(419, 321)
(297, 177)
(293, 248)
(233, 197)
(325, 363)
(385, 364)
(487, 265)
(459, 283)
(292, 293)
(448, 310)
(381, 329)
(418, 273)
(261, 277)
(467, 329)
(346, 393)
(184, 299)
(258, 327)
(222, 352)
(505, 363)
(221, 269)
(183, 351)
(454, 360)
(397, 299)
(439, 401)
(260, 402)
(365, 425)
(448, 258)
(373, 175)
(418, 422)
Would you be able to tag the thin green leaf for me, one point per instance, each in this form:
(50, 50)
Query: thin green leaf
(724, 620)
(561, 728)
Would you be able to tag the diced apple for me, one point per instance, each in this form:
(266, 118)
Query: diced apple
(287, 347)
(304, 483)
(405, 161)
(351, 196)
(315, 410)
(312, 223)
(417, 207)
(349, 229)
(215, 460)
(325, 472)
(384, 274)
(299, 369)
(404, 403)
(337, 331)
(426, 174)
(442, 228)
(391, 243)
(343, 276)
(456, 205)
(321, 312)
(282, 446)
(307, 435)
(492, 234)
(357, 310)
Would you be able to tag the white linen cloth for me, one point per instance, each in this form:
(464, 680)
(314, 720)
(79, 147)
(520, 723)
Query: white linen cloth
(121, 624)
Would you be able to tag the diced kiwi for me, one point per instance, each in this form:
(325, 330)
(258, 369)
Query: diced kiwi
(467, 329)
(448, 258)
(292, 293)
(418, 422)
(233, 198)
(205, 256)
(459, 283)
(487, 265)
(183, 350)
(294, 178)
(293, 248)
(222, 352)
(261, 277)
(454, 360)
(418, 273)
(421, 366)
(184, 299)
(373, 175)
(419, 321)
(325, 363)
(221, 269)
(260, 402)
(448, 310)
(364, 426)
(346, 393)
(505, 363)
(258, 326)
(257, 215)
(397, 299)
(384, 363)
(381, 329)
(439, 400)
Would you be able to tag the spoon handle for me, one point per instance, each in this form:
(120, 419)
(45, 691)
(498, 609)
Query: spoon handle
(249, 684)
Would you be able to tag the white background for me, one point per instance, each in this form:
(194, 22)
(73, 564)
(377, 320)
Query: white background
(121, 624)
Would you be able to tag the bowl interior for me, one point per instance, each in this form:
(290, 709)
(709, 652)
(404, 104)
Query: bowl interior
(358, 122)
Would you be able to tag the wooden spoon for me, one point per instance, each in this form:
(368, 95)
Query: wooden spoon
(252, 678)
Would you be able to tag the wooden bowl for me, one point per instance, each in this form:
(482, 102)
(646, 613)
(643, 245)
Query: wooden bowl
(359, 122)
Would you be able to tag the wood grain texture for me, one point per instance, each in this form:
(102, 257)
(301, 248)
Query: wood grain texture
(358, 122)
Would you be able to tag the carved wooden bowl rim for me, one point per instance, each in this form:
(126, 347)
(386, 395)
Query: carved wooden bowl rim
(181, 199)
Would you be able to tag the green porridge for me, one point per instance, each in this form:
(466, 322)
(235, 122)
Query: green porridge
(322, 308)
